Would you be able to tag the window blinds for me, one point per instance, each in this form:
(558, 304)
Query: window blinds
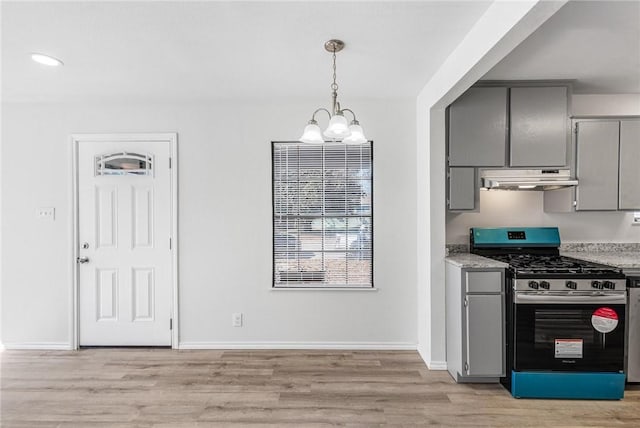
(322, 215)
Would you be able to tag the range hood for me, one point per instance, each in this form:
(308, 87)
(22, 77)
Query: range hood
(526, 179)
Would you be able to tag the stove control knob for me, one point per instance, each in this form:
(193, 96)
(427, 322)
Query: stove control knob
(609, 285)
(544, 284)
(571, 284)
(596, 284)
(533, 284)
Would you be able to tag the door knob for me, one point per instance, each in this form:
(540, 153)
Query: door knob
(82, 259)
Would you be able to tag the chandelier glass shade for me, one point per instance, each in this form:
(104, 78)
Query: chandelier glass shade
(357, 135)
(338, 129)
(312, 134)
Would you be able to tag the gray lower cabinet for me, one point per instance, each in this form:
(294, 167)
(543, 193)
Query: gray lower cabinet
(607, 170)
(475, 323)
(477, 128)
(538, 126)
(483, 342)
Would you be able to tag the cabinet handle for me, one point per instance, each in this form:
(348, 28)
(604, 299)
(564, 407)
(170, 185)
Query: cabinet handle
(466, 367)
(466, 303)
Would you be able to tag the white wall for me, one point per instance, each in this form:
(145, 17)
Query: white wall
(522, 208)
(605, 105)
(224, 222)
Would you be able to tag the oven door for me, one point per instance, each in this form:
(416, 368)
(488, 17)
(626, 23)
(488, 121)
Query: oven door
(569, 333)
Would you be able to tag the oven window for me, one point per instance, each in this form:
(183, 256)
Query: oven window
(563, 337)
(552, 324)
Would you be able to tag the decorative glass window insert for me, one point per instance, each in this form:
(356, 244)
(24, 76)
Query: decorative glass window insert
(124, 163)
(322, 215)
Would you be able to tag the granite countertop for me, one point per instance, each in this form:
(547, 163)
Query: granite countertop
(621, 259)
(468, 260)
(621, 255)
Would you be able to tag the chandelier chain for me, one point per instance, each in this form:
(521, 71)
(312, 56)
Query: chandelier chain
(334, 85)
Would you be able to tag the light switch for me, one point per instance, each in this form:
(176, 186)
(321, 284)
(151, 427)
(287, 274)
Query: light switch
(47, 213)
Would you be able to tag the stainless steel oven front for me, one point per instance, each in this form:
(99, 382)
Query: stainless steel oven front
(575, 331)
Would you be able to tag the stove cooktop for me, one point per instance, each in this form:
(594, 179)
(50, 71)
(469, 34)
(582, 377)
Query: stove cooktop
(538, 264)
(533, 252)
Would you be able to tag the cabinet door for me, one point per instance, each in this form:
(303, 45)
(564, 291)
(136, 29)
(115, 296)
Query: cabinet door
(462, 188)
(629, 198)
(477, 128)
(485, 348)
(538, 127)
(597, 165)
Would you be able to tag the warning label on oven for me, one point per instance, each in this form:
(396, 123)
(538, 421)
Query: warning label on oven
(604, 320)
(568, 348)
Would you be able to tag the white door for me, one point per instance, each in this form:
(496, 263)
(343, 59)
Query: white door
(124, 232)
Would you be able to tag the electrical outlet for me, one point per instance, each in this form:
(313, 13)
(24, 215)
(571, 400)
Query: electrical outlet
(47, 213)
(236, 319)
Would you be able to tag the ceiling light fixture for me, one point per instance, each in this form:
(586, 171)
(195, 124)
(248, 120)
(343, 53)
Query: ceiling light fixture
(46, 59)
(338, 129)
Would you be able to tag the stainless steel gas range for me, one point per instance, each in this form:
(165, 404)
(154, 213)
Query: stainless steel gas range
(565, 317)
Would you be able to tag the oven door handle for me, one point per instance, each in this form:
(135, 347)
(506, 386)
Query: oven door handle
(613, 299)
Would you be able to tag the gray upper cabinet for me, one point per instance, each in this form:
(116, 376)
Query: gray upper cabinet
(462, 188)
(629, 178)
(607, 164)
(539, 127)
(597, 165)
(477, 128)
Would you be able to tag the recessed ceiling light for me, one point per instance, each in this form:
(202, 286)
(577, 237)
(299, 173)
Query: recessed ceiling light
(46, 59)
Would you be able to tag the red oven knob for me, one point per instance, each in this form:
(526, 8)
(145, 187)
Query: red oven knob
(571, 284)
(596, 284)
(609, 284)
(544, 284)
(533, 284)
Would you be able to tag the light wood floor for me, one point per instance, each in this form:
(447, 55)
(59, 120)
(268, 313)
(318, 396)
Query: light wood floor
(167, 388)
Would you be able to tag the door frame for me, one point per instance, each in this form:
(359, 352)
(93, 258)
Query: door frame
(76, 140)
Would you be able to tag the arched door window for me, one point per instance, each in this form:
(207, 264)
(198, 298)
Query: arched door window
(124, 163)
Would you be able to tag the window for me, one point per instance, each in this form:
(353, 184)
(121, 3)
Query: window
(123, 163)
(322, 215)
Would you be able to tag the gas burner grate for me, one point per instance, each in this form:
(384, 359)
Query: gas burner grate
(552, 264)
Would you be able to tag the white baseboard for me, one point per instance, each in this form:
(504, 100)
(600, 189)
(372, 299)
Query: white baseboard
(42, 346)
(350, 346)
(437, 365)
(432, 365)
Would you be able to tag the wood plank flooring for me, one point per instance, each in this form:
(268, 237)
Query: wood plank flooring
(168, 388)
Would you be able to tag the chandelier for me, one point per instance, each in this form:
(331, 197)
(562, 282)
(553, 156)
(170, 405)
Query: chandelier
(338, 129)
